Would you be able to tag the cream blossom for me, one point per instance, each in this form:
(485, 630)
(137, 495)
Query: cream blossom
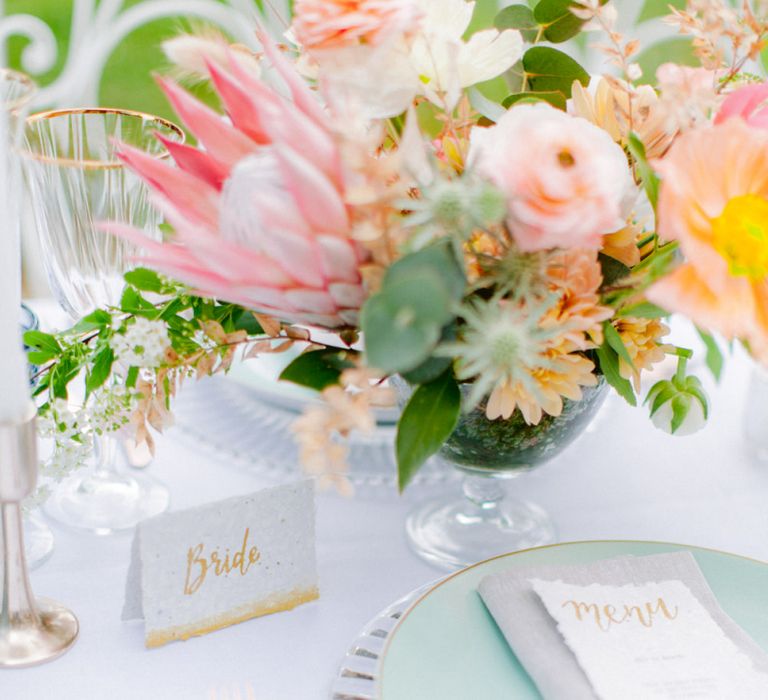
(428, 57)
(567, 183)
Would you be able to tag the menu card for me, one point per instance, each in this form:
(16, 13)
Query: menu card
(630, 628)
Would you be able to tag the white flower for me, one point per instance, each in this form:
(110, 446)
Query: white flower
(678, 406)
(142, 345)
(110, 409)
(432, 60)
(70, 436)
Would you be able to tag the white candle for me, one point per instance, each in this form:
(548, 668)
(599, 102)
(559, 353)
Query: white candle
(14, 378)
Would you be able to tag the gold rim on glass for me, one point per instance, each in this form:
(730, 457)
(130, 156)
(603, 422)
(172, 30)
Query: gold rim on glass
(98, 164)
(29, 85)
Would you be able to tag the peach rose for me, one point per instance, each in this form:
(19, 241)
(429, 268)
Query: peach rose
(567, 183)
(329, 24)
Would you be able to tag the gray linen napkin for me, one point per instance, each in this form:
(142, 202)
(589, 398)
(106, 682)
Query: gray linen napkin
(533, 634)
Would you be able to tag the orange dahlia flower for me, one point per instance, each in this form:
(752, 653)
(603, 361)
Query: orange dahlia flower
(714, 201)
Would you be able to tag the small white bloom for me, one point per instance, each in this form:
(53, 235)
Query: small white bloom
(679, 406)
(142, 345)
(110, 408)
(693, 422)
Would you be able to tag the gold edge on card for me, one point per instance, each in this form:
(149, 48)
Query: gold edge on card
(276, 603)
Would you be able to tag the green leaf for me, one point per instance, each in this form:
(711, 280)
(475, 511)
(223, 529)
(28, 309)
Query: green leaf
(132, 377)
(39, 357)
(550, 70)
(681, 405)
(396, 340)
(561, 24)
(317, 369)
(613, 270)
(99, 370)
(613, 339)
(133, 303)
(145, 279)
(246, 321)
(609, 365)
(42, 341)
(658, 8)
(427, 422)
(647, 174)
(675, 50)
(715, 359)
(556, 99)
(518, 17)
(643, 309)
(403, 322)
(439, 258)
(96, 320)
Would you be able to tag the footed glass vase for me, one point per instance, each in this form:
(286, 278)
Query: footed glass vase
(482, 522)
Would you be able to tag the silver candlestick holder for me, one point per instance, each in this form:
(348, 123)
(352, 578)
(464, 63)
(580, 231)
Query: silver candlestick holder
(32, 631)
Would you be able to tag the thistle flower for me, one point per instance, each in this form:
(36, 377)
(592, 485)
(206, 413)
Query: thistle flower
(515, 358)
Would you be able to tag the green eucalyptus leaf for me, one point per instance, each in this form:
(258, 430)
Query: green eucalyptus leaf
(556, 99)
(399, 332)
(438, 258)
(561, 24)
(426, 423)
(652, 9)
(550, 70)
(317, 369)
(518, 17)
(674, 50)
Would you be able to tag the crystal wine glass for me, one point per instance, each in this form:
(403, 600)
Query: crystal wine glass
(76, 181)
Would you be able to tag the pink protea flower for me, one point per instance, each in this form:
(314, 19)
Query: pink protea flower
(330, 24)
(750, 103)
(259, 210)
(567, 183)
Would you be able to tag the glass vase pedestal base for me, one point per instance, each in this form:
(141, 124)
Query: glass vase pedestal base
(452, 533)
(104, 502)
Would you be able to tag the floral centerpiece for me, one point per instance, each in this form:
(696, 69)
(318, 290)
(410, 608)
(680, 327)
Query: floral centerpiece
(470, 211)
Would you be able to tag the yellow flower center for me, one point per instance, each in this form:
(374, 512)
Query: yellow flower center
(741, 235)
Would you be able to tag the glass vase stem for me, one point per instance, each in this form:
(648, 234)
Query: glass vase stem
(485, 492)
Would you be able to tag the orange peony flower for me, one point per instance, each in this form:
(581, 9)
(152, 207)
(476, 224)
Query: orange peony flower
(714, 201)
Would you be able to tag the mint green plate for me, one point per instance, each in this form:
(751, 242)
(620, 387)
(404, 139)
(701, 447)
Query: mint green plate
(447, 645)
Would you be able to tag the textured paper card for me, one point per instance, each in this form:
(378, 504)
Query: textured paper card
(532, 632)
(650, 641)
(205, 568)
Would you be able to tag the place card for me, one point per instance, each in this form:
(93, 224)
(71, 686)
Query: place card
(655, 640)
(201, 569)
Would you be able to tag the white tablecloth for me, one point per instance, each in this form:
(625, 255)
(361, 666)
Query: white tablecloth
(622, 480)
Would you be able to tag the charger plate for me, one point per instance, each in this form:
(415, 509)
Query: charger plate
(446, 645)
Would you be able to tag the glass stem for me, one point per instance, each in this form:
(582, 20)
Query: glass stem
(106, 455)
(484, 492)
